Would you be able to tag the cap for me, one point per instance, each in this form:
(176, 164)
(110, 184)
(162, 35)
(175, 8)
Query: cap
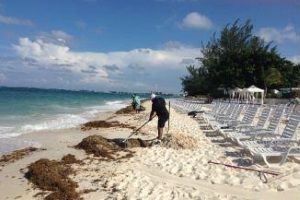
(153, 96)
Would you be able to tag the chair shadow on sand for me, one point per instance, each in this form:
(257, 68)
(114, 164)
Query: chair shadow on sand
(238, 156)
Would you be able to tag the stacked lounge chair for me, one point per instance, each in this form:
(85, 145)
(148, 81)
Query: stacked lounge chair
(261, 137)
(283, 145)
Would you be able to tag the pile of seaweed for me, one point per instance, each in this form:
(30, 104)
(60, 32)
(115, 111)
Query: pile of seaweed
(179, 141)
(98, 146)
(69, 159)
(127, 110)
(52, 175)
(104, 124)
(109, 148)
(17, 155)
(131, 143)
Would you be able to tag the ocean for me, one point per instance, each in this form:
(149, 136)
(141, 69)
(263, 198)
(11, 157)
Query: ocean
(24, 110)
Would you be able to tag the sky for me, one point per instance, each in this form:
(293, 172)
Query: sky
(132, 45)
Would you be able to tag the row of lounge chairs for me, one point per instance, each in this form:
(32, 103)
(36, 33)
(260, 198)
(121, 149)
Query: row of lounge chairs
(256, 128)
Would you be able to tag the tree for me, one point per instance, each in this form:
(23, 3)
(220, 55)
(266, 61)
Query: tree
(273, 78)
(238, 58)
(194, 83)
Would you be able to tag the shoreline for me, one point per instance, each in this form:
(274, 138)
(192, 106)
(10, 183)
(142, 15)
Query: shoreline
(178, 169)
(56, 143)
(25, 139)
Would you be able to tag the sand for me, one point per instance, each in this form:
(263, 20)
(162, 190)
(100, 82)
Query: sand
(176, 169)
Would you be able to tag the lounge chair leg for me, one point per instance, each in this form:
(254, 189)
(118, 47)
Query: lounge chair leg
(284, 157)
(266, 161)
(243, 152)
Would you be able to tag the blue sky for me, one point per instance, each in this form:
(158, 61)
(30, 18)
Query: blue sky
(132, 45)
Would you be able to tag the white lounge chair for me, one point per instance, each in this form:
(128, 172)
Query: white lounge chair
(287, 136)
(275, 151)
(246, 134)
(234, 125)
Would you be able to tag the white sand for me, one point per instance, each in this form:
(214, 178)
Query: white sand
(158, 172)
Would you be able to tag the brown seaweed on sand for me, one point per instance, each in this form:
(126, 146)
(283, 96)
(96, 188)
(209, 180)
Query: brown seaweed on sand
(52, 175)
(179, 141)
(98, 146)
(131, 143)
(108, 148)
(104, 124)
(69, 159)
(127, 110)
(17, 155)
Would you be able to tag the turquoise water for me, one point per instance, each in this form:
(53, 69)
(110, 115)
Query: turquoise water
(24, 110)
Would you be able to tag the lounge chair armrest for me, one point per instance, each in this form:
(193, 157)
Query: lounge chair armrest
(236, 124)
(253, 131)
(261, 130)
(233, 123)
(264, 134)
(247, 127)
(230, 120)
(296, 148)
(268, 134)
(283, 141)
(223, 117)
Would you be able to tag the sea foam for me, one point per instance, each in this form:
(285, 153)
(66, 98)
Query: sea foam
(62, 121)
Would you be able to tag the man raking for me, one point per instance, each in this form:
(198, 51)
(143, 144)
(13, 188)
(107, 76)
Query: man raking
(159, 108)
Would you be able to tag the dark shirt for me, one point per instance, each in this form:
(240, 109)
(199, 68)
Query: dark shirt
(159, 106)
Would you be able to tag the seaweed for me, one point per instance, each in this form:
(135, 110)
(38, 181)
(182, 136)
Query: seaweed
(52, 175)
(17, 155)
(98, 146)
(69, 159)
(104, 124)
(126, 110)
(108, 148)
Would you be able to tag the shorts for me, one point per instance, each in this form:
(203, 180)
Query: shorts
(137, 107)
(162, 121)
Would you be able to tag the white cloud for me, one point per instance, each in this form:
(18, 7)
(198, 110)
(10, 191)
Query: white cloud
(197, 21)
(55, 36)
(101, 66)
(55, 56)
(287, 34)
(60, 35)
(295, 59)
(15, 21)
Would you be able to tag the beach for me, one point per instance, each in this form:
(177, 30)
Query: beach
(178, 168)
(149, 100)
